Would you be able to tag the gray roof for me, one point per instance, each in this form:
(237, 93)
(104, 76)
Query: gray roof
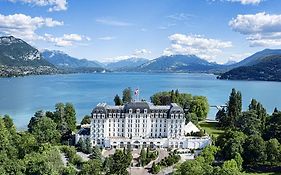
(176, 108)
(84, 131)
(137, 105)
(141, 105)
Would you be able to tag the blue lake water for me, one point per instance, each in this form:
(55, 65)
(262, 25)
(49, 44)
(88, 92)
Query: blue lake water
(21, 97)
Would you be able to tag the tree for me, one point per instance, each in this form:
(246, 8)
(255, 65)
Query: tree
(70, 116)
(239, 160)
(33, 120)
(275, 110)
(274, 126)
(107, 164)
(260, 111)
(155, 168)
(231, 142)
(230, 167)
(254, 150)
(4, 137)
(8, 121)
(59, 113)
(196, 108)
(191, 117)
(234, 107)
(273, 151)
(92, 167)
(69, 170)
(96, 153)
(26, 145)
(86, 120)
(222, 117)
(81, 145)
(120, 162)
(193, 167)
(117, 100)
(44, 130)
(127, 95)
(249, 123)
(48, 161)
(89, 148)
(208, 154)
(200, 107)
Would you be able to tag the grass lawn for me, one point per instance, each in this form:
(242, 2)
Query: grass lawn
(211, 128)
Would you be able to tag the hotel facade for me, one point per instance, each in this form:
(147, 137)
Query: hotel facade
(141, 124)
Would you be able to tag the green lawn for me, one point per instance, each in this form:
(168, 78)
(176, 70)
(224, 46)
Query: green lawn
(211, 128)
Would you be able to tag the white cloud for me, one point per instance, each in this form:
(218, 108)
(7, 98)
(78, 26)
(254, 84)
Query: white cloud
(55, 5)
(180, 16)
(243, 2)
(196, 45)
(138, 53)
(111, 22)
(260, 22)
(141, 53)
(246, 2)
(107, 38)
(65, 40)
(23, 26)
(261, 29)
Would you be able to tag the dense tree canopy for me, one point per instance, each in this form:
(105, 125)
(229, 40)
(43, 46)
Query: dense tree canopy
(231, 143)
(273, 129)
(196, 107)
(45, 131)
(249, 123)
(254, 149)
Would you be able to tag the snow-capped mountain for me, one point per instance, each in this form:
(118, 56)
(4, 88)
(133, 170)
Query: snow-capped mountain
(16, 52)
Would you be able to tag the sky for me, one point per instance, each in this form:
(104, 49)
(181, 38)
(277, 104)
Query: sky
(109, 30)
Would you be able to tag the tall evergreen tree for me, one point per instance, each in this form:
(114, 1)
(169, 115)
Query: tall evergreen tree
(234, 107)
(127, 95)
(117, 100)
(70, 116)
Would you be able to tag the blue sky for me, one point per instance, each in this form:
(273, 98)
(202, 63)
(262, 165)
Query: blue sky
(106, 30)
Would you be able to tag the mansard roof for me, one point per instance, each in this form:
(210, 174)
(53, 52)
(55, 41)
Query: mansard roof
(103, 108)
(141, 105)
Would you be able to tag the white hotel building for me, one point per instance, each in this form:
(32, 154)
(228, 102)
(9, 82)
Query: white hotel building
(141, 124)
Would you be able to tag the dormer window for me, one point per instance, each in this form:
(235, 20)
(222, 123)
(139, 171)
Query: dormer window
(130, 111)
(138, 110)
(145, 111)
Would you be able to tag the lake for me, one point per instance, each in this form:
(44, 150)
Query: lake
(21, 97)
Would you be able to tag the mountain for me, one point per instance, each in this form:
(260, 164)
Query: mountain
(126, 64)
(267, 69)
(15, 52)
(257, 57)
(180, 63)
(62, 60)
